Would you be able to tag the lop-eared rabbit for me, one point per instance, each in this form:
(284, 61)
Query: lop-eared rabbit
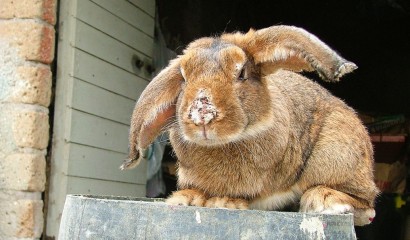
(250, 132)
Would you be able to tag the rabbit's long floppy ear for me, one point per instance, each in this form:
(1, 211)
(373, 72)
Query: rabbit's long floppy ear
(291, 48)
(154, 110)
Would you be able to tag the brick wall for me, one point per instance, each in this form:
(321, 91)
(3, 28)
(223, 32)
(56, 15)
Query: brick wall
(26, 50)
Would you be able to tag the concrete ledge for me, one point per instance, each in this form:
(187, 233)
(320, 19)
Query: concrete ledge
(93, 217)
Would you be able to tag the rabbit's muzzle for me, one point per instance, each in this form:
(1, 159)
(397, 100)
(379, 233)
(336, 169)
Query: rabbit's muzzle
(202, 111)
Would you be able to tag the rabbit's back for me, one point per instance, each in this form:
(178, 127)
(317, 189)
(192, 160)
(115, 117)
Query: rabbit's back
(334, 145)
(308, 104)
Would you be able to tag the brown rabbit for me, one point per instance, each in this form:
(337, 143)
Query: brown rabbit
(249, 132)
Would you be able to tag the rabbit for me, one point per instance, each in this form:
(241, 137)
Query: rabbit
(250, 132)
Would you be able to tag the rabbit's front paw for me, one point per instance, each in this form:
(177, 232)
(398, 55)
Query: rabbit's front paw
(364, 216)
(225, 202)
(187, 197)
(325, 200)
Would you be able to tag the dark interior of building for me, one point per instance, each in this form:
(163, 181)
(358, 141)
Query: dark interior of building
(374, 34)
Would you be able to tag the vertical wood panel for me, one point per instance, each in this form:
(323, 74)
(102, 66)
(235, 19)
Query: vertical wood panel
(97, 85)
(97, 101)
(146, 5)
(115, 27)
(108, 76)
(89, 162)
(57, 181)
(97, 132)
(103, 46)
(78, 185)
(130, 14)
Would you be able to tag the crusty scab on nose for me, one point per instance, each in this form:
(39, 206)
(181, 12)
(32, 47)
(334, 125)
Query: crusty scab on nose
(202, 110)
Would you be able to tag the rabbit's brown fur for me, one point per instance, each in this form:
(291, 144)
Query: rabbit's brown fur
(250, 132)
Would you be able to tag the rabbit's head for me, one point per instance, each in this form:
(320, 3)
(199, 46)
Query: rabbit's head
(220, 85)
(216, 91)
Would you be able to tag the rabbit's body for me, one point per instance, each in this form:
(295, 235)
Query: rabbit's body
(262, 166)
(249, 134)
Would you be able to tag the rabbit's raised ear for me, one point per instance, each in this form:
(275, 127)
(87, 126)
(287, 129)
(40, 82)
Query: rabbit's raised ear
(291, 48)
(154, 110)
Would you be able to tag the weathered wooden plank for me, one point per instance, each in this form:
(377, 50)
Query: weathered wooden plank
(97, 132)
(77, 185)
(97, 101)
(146, 5)
(125, 218)
(89, 162)
(115, 27)
(108, 76)
(129, 13)
(105, 47)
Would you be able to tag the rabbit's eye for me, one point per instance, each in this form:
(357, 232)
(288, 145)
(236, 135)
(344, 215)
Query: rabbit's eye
(242, 76)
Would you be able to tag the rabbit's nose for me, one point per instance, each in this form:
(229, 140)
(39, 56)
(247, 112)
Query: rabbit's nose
(202, 111)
